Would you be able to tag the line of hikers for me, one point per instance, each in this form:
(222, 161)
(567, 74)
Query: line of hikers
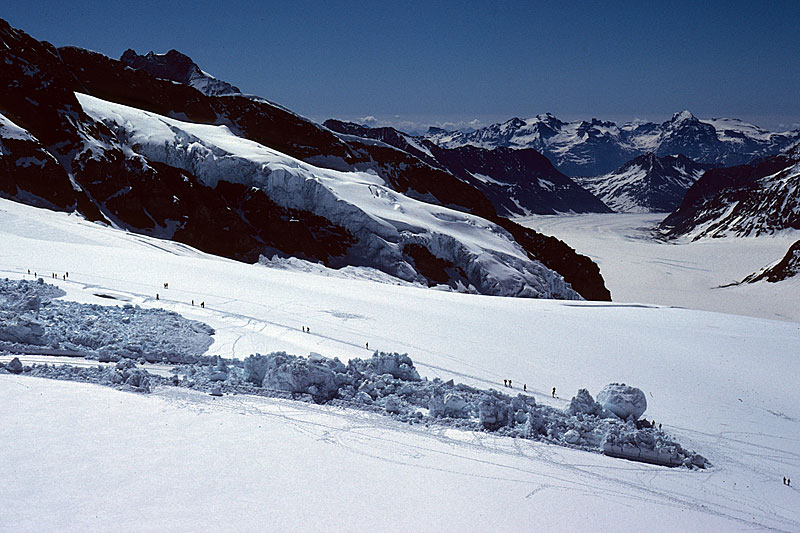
(507, 383)
(53, 275)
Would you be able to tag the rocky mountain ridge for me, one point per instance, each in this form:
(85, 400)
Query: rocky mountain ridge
(646, 184)
(104, 175)
(595, 147)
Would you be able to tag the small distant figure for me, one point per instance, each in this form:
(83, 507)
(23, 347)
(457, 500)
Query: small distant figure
(65, 277)
(524, 387)
(66, 274)
(308, 329)
(784, 480)
(509, 384)
(166, 285)
(156, 296)
(367, 346)
(29, 271)
(203, 305)
(659, 426)
(505, 383)
(34, 275)
(192, 302)
(554, 392)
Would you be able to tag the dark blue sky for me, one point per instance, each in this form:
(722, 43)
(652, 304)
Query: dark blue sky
(434, 62)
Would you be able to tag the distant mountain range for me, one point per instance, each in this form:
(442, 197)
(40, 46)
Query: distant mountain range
(646, 184)
(592, 148)
(180, 155)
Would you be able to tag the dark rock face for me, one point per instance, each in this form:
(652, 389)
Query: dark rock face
(59, 139)
(178, 67)
(30, 174)
(646, 184)
(744, 200)
(786, 268)
(85, 167)
(520, 182)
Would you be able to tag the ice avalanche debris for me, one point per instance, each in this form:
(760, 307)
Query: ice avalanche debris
(389, 383)
(622, 400)
(33, 320)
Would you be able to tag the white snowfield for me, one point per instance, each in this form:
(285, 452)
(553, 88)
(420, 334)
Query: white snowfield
(85, 457)
(383, 220)
(696, 275)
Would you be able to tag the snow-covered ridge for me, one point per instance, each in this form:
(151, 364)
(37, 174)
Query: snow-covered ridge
(590, 148)
(9, 130)
(740, 207)
(646, 184)
(383, 221)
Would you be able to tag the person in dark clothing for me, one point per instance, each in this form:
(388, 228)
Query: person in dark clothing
(524, 387)
(554, 392)
(203, 305)
(505, 383)
(156, 296)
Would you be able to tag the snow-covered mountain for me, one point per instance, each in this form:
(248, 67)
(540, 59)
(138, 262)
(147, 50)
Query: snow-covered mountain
(249, 185)
(178, 67)
(746, 200)
(646, 184)
(517, 182)
(591, 148)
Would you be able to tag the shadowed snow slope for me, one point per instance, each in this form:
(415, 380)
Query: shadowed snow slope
(723, 385)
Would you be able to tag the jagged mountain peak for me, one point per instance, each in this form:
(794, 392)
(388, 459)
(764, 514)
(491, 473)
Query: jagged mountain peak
(682, 116)
(646, 184)
(177, 66)
(596, 147)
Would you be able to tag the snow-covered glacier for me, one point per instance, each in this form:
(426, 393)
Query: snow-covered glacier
(480, 255)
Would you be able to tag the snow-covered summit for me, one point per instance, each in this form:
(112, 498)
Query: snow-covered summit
(646, 184)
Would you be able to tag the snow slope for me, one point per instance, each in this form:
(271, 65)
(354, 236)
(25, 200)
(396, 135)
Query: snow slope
(78, 456)
(695, 275)
(384, 221)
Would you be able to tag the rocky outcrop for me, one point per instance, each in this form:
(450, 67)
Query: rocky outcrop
(746, 200)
